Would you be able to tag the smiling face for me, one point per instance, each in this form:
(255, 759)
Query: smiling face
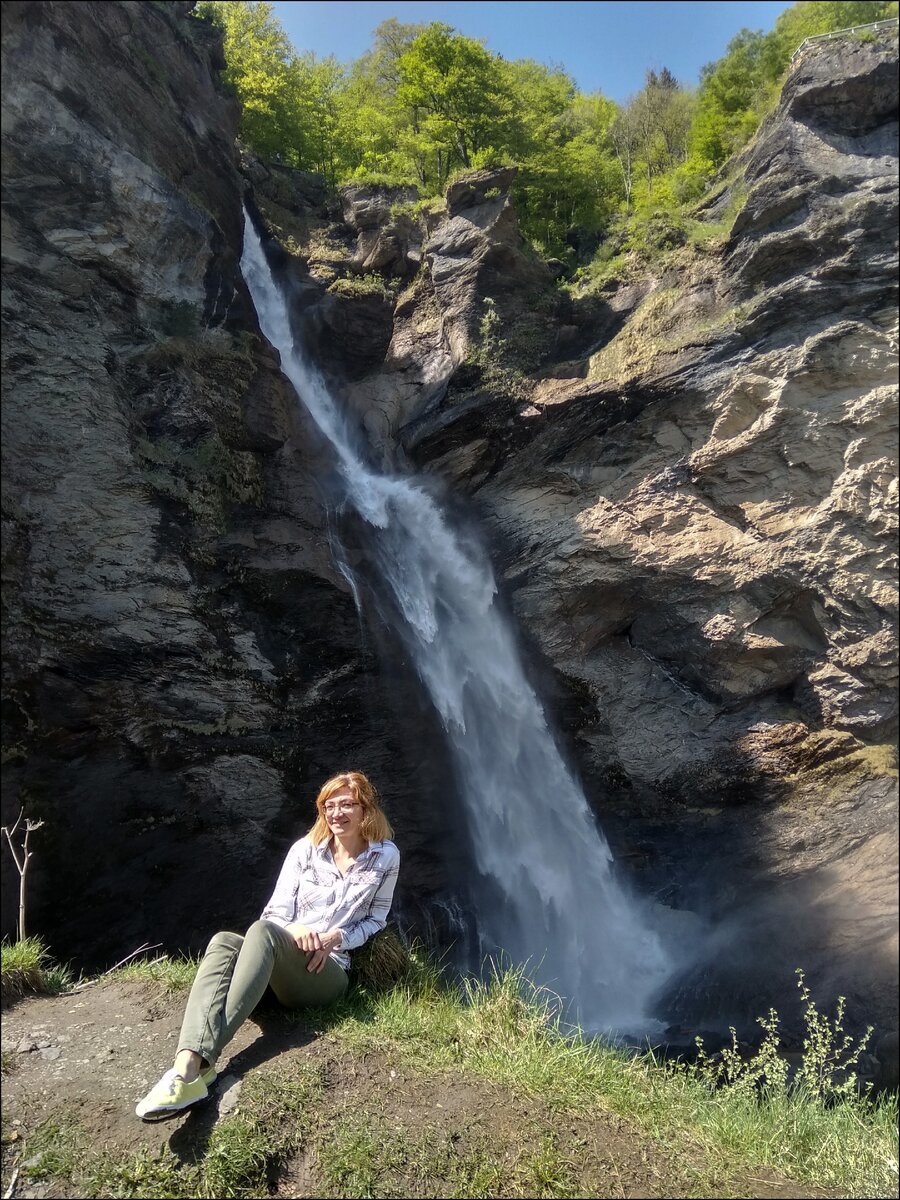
(343, 813)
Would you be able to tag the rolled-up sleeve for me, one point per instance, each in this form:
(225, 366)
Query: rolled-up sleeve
(358, 931)
(280, 909)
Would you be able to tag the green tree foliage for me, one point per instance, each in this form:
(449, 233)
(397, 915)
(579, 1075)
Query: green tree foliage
(374, 120)
(737, 91)
(426, 101)
(661, 117)
(568, 182)
(460, 105)
(290, 107)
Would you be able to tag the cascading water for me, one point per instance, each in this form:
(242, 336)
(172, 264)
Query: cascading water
(550, 899)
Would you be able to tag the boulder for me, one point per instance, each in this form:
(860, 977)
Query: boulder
(388, 239)
(474, 187)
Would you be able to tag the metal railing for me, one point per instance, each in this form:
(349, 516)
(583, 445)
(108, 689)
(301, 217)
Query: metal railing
(824, 37)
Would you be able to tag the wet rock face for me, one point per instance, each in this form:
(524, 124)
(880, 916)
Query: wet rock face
(689, 485)
(183, 666)
(352, 334)
(696, 525)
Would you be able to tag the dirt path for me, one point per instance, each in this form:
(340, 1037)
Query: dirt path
(87, 1058)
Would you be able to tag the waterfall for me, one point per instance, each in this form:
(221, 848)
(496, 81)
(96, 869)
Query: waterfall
(549, 898)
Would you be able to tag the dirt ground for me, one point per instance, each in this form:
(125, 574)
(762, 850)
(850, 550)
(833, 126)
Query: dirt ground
(89, 1057)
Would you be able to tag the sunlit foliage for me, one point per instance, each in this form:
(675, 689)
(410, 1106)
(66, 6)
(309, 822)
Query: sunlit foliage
(426, 102)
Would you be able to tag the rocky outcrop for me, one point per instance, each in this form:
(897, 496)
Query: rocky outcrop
(183, 662)
(690, 486)
(400, 299)
(388, 238)
(696, 524)
(689, 483)
(478, 252)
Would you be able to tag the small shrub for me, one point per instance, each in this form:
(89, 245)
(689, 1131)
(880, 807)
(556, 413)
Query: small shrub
(365, 178)
(657, 231)
(404, 210)
(323, 247)
(431, 204)
(829, 1056)
(766, 1071)
(499, 366)
(358, 285)
(180, 319)
(382, 962)
(27, 967)
(826, 1072)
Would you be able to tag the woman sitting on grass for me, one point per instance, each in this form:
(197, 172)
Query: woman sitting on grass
(333, 893)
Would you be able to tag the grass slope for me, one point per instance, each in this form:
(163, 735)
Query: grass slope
(429, 1090)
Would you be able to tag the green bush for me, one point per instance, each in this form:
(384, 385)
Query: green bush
(354, 286)
(27, 967)
(827, 1071)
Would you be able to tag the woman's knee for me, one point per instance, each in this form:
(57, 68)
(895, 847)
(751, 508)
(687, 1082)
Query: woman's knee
(224, 940)
(263, 931)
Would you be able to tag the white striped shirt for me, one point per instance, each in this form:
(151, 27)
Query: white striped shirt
(311, 890)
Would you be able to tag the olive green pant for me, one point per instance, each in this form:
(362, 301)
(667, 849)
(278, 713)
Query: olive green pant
(235, 972)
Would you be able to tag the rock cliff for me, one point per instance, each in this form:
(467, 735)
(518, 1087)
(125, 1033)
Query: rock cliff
(688, 482)
(690, 488)
(184, 664)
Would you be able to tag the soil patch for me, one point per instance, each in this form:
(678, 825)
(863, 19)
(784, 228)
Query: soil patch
(87, 1058)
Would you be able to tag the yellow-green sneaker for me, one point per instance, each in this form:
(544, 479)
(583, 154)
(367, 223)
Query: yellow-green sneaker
(171, 1095)
(209, 1076)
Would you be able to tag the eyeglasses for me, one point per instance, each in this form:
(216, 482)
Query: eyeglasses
(344, 806)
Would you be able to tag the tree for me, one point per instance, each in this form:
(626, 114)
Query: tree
(459, 102)
(21, 857)
(426, 100)
(372, 119)
(625, 135)
(290, 109)
(660, 116)
(259, 61)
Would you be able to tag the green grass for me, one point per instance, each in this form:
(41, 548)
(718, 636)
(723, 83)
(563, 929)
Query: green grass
(60, 1149)
(714, 1125)
(26, 967)
(505, 1031)
(276, 1114)
(358, 285)
(174, 974)
(377, 179)
(365, 1157)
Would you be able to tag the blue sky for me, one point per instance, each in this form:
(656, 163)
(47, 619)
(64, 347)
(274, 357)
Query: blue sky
(606, 46)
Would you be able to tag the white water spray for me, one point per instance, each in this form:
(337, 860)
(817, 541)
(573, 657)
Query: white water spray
(549, 897)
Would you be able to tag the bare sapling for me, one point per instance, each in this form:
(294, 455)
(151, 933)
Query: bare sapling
(21, 856)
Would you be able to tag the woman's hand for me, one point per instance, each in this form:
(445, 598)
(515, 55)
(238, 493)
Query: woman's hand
(306, 939)
(327, 942)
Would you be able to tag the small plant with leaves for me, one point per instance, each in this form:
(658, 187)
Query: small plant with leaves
(27, 967)
(496, 357)
(828, 1069)
(352, 287)
(826, 1072)
(764, 1072)
(491, 344)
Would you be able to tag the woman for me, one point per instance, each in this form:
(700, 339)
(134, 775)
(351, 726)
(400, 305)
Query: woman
(333, 893)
